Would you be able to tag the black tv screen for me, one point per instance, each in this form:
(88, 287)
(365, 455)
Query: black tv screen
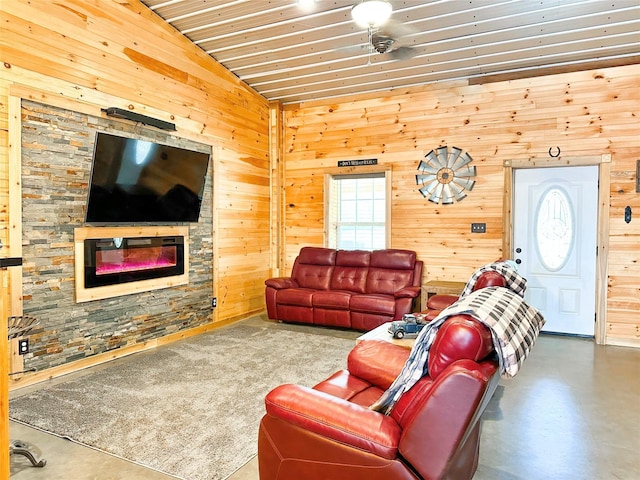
(139, 181)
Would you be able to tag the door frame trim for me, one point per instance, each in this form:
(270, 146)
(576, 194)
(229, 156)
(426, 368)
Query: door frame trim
(604, 180)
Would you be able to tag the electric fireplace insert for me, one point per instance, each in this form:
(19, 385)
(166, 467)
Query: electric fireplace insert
(112, 261)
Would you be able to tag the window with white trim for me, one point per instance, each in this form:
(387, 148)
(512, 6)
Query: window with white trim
(357, 212)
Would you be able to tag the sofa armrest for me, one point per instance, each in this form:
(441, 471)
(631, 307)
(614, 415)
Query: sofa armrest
(377, 362)
(281, 282)
(336, 419)
(441, 301)
(407, 292)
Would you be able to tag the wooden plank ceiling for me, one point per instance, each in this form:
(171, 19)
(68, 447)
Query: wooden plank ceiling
(290, 54)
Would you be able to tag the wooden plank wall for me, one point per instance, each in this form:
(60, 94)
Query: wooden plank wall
(85, 56)
(157, 72)
(584, 114)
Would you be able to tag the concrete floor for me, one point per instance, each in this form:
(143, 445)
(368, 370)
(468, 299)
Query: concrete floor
(572, 413)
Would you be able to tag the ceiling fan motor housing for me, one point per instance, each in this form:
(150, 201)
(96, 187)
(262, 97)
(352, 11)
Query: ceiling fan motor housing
(381, 43)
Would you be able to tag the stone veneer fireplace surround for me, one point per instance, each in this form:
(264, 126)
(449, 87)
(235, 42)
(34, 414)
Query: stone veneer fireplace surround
(56, 155)
(92, 285)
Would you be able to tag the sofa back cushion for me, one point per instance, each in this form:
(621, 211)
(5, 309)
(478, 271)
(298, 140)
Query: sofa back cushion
(390, 271)
(351, 269)
(313, 267)
(490, 279)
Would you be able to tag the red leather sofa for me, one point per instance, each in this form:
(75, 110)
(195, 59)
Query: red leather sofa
(433, 432)
(346, 288)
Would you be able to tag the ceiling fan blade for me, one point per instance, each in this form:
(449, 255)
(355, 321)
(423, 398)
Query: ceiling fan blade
(354, 49)
(395, 29)
(402, 53)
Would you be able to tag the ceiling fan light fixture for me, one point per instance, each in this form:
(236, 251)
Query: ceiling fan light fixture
(306, 5)
(371, 13)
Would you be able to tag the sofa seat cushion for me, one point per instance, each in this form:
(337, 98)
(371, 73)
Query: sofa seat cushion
(334, 299)
(349, 387)
(302, 297)
(374, 303)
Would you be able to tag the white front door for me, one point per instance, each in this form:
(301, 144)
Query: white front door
(554, 241)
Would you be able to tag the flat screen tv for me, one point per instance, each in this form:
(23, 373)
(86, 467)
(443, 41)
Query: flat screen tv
(139, 181)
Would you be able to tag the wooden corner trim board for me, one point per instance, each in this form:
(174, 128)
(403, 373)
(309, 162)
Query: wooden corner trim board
(4, 383)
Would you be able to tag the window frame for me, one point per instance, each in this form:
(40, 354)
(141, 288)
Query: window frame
(330, 231)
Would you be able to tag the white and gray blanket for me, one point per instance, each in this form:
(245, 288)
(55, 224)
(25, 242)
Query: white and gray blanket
(508, 269)
(514, 327)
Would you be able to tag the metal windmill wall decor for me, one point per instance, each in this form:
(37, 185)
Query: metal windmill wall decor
(446, 175)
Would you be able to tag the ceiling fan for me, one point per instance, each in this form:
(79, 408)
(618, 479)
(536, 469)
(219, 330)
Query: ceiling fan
(384, 33)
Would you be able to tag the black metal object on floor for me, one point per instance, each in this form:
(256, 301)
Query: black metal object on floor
(18, 447)
(19, 326)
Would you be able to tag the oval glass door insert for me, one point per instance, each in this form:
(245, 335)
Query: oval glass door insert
(554, 228)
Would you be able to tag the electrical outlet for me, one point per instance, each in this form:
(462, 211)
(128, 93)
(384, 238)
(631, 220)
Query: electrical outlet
(214, 302)
(23, 346)
(478, 228)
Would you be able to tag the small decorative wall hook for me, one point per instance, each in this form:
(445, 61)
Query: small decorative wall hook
(557, 154)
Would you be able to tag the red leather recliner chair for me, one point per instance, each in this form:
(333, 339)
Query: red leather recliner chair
(437, 303)
(433, 432)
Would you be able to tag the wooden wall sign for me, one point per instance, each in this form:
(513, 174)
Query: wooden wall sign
(357, 163)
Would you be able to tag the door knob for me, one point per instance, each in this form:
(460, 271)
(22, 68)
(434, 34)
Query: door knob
(518, 250)
(518, 261)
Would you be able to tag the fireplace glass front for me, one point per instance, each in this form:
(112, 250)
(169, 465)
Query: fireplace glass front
(112, 261)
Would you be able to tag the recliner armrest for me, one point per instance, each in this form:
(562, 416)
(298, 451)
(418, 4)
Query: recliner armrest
(441, 301)
(377, 362)
(281, 282)
(407, 292)
(335, 418)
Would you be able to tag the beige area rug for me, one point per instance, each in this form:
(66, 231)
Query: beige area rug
(190, 409)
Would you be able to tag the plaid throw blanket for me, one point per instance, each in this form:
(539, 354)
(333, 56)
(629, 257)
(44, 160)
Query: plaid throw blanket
(515, 282)
(514, 327)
